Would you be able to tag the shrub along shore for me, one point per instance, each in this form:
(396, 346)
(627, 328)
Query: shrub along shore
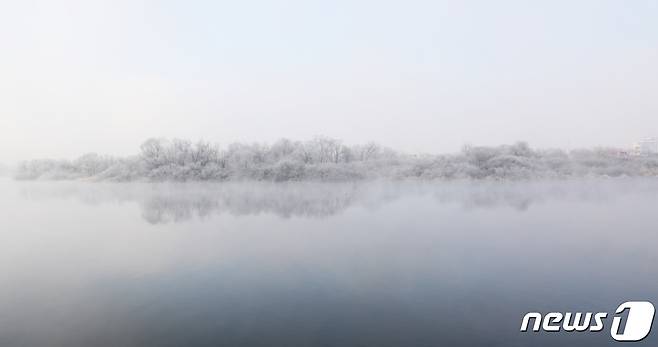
(328, 159)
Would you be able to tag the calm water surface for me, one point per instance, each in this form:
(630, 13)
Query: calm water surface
(310, 264)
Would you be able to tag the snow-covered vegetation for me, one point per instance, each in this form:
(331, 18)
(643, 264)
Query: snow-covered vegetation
(328, 159)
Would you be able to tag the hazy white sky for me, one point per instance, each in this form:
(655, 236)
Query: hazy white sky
(80, 76)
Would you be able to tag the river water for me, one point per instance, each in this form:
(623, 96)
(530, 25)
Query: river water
(320, 264)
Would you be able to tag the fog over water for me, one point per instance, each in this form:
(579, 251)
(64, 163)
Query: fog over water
(179, 202)
(345, 173)
(319, 264)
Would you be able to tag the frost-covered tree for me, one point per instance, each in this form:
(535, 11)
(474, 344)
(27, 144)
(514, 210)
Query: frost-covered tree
(324, 158)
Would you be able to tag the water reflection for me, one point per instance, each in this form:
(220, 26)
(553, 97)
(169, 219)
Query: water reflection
(178, 202)
(381, 264)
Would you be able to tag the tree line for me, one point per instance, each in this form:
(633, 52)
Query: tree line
(327, 159)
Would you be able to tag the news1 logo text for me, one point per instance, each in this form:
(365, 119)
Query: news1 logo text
(634, 327)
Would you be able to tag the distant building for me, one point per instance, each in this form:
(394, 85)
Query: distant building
(646, 146)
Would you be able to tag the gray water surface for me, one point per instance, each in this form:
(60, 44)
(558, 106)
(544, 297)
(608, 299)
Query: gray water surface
(319, 264)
